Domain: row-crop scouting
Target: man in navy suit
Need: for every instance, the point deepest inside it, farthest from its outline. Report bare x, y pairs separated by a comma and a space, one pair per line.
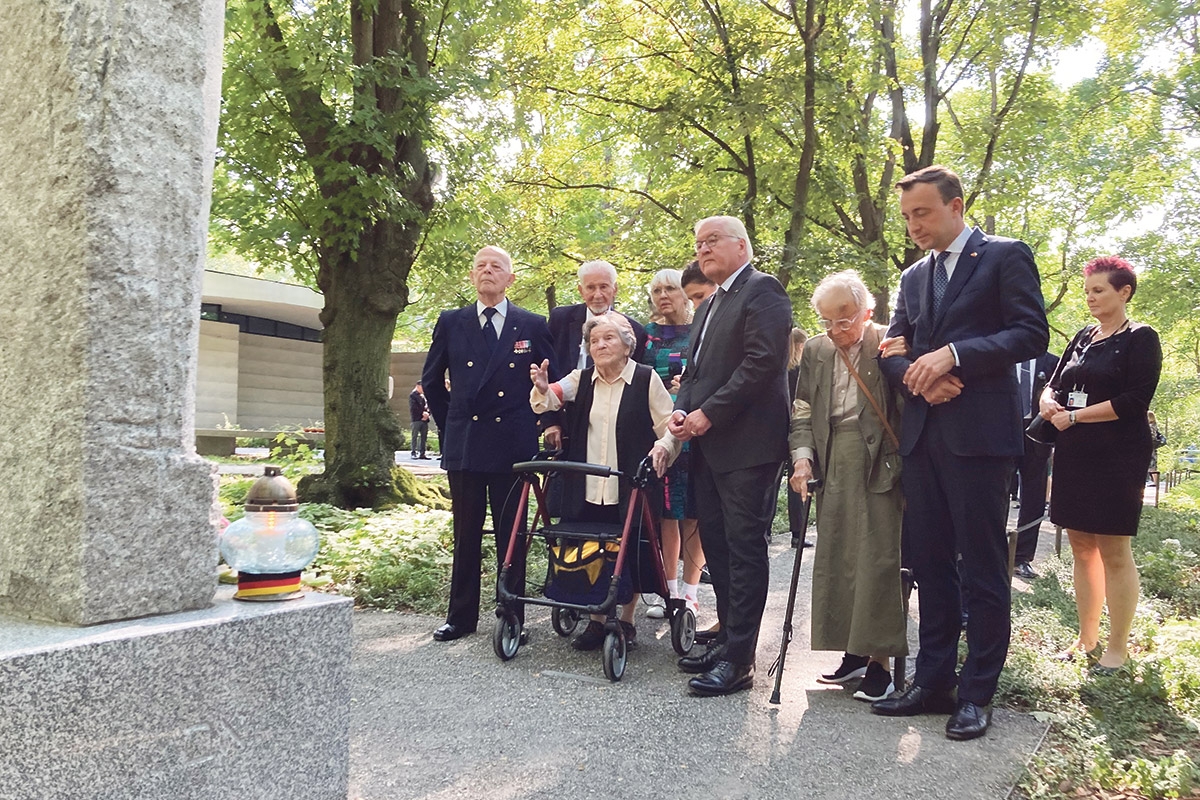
969, 312
598, 288
733, 405
1033, 465
485, 421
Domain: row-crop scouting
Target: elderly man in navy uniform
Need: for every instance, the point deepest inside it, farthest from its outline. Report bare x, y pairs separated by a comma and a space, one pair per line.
485, 421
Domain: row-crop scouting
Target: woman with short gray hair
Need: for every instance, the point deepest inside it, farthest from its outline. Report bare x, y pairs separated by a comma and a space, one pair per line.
843, 428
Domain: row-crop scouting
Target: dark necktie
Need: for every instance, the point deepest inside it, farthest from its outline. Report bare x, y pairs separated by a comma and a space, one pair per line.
712, 309
1026, 389
489, 330
940, 281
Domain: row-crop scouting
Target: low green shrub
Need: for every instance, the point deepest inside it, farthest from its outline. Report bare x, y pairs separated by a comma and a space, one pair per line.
1135, 734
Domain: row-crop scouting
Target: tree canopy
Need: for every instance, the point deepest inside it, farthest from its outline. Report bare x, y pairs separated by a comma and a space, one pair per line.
605, 128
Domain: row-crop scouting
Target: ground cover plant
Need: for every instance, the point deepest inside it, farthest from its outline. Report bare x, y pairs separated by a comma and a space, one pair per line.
1135, 734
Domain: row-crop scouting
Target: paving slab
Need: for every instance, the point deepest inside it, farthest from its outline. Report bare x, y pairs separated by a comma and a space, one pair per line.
437, 720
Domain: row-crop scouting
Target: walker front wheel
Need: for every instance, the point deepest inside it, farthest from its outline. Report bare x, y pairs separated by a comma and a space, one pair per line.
615, 655
506, 638
683, 631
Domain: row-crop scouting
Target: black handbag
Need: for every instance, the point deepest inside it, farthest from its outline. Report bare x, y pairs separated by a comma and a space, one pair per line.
1042, 430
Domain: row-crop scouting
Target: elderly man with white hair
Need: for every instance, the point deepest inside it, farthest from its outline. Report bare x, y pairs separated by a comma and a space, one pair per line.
598, 289
843, 428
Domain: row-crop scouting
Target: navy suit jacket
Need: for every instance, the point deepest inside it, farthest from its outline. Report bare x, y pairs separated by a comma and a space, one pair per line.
485, 420
740, 377
994, 314
566, 329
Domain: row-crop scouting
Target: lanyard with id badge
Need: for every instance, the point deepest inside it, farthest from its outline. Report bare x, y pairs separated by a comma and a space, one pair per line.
1077, 398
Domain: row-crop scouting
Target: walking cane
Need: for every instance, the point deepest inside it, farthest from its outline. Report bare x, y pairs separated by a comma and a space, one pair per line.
777, 667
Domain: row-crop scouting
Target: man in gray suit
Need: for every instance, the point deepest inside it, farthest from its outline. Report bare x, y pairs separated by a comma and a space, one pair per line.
733, 406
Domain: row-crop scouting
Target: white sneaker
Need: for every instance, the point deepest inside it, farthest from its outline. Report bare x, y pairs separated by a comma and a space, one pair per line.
657, 609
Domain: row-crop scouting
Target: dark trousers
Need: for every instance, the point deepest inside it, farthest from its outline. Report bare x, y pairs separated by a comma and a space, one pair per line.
420, 431
735, 510
471, 493
1032, 470
958, 504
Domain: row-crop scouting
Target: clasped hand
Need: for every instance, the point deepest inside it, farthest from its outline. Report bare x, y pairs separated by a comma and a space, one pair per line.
685, 426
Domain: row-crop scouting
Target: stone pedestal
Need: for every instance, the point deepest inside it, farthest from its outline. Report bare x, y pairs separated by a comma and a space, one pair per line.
108, 114
245, 700
108, 119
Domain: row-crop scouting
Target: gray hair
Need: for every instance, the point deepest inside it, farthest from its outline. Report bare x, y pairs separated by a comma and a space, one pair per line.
731, 226
848, 281
665, 277
618, 321
588, 267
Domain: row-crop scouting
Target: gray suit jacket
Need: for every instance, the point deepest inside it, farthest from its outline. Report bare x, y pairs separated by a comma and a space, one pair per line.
810, 426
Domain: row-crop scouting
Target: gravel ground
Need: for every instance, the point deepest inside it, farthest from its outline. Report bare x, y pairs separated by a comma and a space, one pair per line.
437, 720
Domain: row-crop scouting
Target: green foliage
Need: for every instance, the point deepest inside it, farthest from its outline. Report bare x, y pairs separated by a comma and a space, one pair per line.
397, 559
1135, 732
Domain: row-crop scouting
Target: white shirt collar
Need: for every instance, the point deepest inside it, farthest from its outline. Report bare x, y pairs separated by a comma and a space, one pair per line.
960, 242
727, 284
626, 373
501, 308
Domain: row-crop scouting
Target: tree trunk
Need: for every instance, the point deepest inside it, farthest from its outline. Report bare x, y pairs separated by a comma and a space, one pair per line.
363, 297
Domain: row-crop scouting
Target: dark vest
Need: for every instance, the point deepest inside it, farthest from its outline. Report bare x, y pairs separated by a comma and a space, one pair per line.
635, 437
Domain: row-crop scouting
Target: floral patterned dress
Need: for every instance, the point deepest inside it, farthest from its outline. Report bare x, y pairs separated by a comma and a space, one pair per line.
666, 351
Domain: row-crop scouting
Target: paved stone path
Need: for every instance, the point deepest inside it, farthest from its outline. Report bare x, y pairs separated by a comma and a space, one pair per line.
449, 720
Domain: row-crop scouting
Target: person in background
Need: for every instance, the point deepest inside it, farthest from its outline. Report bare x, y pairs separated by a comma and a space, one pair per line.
1159, 441
1097, 399
667, 345
615, 393
1032, 470
698, 287
795, 502
598, 290
838, 431
486, 349
418, 411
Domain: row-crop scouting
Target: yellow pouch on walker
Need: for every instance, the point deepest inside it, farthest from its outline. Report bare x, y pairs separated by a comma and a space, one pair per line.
580, 571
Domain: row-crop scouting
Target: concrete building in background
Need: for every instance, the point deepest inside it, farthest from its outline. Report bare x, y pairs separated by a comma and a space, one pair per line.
260, 356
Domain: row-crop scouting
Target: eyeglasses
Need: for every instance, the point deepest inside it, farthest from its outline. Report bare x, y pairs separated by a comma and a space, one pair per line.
838, 324
712, 239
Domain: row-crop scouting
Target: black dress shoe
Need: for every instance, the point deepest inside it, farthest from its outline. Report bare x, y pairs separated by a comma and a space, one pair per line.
969, 721
450, 632
725, 677
917, 700
1024, 571
696, 665
708, 636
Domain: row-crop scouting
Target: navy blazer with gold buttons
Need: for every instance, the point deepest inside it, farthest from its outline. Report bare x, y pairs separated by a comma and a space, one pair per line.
484, 420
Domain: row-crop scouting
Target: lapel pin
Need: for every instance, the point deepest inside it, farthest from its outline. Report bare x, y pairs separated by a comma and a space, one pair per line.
973, 255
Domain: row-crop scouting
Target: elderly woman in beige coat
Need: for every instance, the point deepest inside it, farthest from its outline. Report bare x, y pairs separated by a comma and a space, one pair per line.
838, 434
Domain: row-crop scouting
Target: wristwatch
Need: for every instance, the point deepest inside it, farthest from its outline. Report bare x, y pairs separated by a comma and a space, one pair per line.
1071, 417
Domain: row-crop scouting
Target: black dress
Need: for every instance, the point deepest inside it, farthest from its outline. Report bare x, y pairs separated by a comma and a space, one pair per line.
1100, 467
